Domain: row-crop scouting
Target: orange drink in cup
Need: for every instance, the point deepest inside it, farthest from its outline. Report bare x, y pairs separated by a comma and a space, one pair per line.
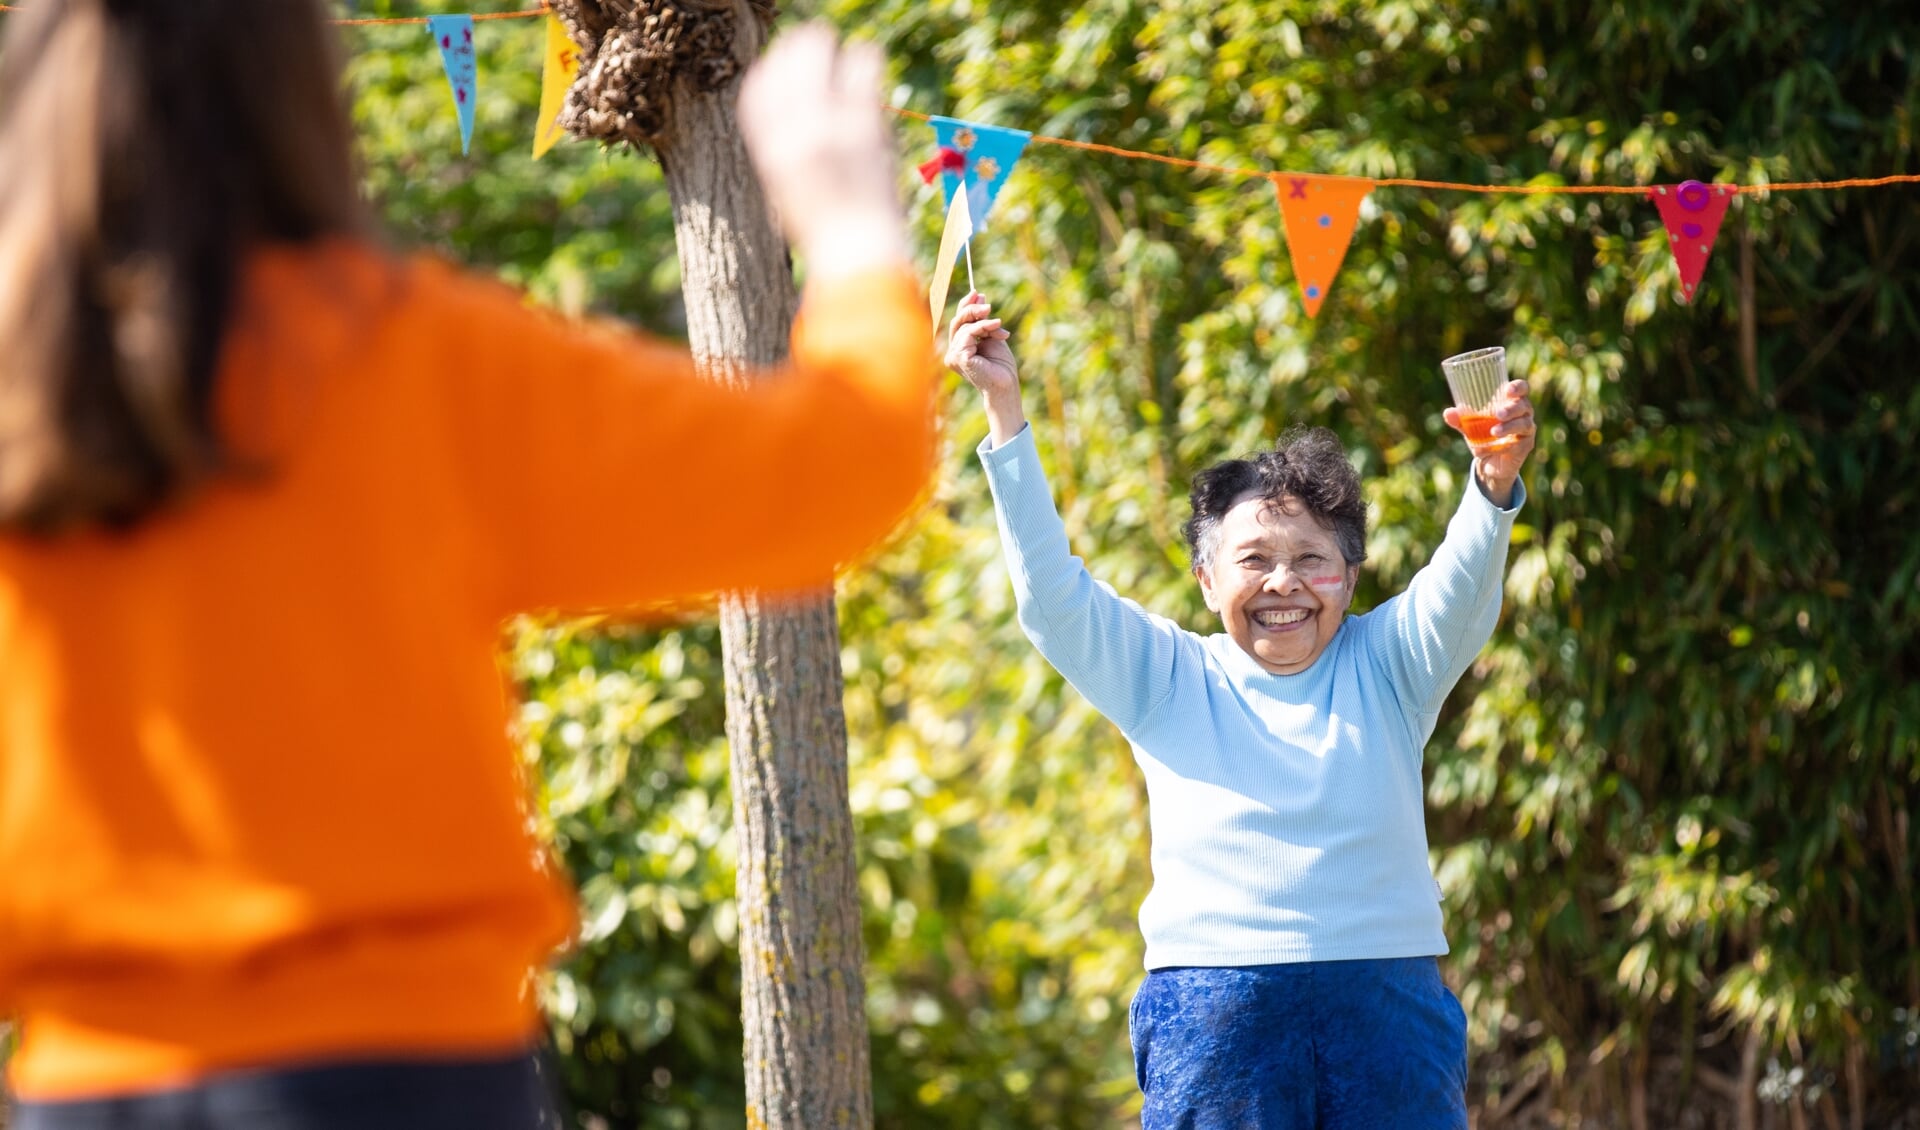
1475, 378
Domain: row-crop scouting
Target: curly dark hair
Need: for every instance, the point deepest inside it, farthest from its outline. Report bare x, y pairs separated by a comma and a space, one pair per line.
1307, 464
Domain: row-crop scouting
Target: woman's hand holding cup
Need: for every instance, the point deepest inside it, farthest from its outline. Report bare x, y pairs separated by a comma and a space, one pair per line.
1498, 456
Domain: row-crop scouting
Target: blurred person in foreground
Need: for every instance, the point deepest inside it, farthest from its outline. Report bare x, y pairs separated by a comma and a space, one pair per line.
268, 493
1293, 923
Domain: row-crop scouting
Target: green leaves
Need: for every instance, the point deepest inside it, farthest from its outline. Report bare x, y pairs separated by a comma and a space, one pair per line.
1679, 789
1694, 615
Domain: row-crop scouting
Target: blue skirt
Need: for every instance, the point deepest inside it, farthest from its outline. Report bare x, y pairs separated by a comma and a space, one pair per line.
1322, 1045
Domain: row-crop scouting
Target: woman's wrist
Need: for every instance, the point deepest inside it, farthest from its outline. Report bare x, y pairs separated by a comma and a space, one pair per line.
1499, 491
1005, 416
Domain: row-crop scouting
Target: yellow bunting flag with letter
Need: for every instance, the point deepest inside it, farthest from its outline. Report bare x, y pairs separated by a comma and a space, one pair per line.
1318, 214
959, 230
563, 63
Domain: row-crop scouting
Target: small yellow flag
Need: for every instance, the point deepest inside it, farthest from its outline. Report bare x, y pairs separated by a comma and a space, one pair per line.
563, 62
959, 229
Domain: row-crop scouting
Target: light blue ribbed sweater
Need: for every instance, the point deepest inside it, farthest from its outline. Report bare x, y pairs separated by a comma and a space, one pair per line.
1285, 810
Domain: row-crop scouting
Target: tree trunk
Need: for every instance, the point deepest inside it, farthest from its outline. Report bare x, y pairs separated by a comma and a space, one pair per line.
665, 74
1747, 1113
803, 993
803, 997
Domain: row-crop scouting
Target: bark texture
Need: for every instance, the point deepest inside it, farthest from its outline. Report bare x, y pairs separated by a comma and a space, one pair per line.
637, 56
803, 988
665, 75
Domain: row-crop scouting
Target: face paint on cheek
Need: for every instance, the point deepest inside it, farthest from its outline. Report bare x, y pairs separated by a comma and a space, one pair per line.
1333, 582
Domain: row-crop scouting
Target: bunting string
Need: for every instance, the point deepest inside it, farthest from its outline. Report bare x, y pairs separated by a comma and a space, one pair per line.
526, 14
389, 21
1229, 170
1443, 185
1318, 212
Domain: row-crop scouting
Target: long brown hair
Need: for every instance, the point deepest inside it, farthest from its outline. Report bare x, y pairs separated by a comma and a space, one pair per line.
146, 146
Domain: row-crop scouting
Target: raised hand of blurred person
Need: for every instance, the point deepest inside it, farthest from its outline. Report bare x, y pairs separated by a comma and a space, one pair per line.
811, 115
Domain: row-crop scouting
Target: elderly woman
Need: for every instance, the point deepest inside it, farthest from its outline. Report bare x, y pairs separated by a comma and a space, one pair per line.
1293, 923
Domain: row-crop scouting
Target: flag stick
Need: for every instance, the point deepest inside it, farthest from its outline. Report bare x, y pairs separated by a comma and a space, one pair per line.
971, 289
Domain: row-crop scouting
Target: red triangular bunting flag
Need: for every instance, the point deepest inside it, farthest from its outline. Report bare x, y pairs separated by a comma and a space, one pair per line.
1318, 214
1692, 212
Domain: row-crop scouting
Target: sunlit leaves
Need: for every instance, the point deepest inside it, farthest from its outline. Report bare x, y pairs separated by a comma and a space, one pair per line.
1677, 792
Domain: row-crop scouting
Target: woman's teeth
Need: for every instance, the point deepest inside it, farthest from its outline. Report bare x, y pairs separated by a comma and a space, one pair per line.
1280, 617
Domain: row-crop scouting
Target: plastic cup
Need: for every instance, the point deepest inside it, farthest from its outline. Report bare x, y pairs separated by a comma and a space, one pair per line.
1475, 377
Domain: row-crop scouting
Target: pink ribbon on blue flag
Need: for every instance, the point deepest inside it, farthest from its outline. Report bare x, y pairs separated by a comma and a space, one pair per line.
989, 153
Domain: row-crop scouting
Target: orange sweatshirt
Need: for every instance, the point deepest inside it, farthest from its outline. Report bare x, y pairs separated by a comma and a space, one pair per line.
257, 801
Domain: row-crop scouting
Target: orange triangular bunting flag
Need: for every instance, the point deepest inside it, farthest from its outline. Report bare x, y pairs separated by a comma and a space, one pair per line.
1319, 214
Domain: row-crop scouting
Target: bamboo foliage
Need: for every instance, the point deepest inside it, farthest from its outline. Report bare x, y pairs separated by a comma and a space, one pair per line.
1673, 805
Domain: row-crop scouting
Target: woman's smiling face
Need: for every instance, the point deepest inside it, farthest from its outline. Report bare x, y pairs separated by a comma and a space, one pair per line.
1278, 582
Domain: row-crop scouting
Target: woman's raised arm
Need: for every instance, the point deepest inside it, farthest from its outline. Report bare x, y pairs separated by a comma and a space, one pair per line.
1428, 634
1118, 655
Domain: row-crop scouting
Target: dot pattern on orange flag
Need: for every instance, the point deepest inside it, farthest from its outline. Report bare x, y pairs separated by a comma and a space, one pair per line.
1319, 214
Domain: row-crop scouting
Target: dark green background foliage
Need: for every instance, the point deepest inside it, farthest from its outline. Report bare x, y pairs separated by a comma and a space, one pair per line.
1671, 806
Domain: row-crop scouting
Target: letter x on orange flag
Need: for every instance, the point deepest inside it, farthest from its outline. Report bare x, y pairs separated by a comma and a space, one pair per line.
1318, 214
